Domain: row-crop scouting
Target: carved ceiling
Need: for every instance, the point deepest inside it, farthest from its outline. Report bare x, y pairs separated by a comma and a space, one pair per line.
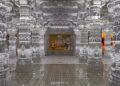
55, 12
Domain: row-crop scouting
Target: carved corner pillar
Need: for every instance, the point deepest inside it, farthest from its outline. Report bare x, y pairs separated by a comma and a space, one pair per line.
77, 41
42, 41
12, 41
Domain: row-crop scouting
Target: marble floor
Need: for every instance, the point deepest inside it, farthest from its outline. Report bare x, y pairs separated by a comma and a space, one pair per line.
60, 73
60, 60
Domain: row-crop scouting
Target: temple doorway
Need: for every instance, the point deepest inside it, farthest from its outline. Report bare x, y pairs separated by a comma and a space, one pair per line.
60, 42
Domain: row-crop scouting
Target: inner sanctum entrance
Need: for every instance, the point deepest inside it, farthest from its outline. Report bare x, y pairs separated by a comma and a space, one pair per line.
60, 42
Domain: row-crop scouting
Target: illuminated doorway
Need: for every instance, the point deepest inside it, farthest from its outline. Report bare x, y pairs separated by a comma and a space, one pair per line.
60, 43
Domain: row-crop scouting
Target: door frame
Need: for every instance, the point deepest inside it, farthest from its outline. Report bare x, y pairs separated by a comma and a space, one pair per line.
59, 31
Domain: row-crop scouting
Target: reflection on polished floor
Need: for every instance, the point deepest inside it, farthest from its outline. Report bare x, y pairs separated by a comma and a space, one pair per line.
58, 75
